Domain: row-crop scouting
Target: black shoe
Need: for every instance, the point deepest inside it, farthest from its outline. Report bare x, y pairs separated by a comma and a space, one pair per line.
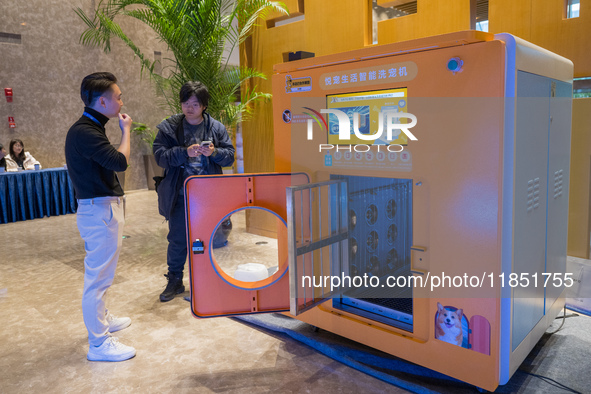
174, 287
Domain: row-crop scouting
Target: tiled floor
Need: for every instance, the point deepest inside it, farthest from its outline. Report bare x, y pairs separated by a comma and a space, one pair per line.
43, 340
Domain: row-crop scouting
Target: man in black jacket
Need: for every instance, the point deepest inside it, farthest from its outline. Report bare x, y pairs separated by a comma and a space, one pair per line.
191, 143
92, 162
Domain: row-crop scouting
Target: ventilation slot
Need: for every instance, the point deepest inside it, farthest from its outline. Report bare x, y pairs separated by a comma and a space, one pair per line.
558, 184
533, 194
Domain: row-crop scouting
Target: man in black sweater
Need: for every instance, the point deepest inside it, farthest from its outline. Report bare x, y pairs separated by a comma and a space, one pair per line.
92, 162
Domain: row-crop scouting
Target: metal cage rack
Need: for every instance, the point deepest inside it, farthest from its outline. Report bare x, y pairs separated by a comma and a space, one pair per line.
379, 246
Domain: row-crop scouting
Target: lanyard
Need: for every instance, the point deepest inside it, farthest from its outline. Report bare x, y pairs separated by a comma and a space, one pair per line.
89, 116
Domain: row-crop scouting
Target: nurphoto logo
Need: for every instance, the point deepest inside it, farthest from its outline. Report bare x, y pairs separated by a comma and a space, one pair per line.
393, 127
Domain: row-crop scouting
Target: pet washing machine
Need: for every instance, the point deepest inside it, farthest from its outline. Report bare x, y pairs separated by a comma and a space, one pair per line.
429, 178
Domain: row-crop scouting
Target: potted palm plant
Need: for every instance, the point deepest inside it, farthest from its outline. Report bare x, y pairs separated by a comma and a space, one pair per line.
201, 35
147, 135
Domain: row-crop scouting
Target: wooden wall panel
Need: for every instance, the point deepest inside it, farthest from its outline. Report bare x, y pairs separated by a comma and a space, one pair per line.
579, 213
566, 37
510, 16
336, 26
543, 23
266, 51
433, 17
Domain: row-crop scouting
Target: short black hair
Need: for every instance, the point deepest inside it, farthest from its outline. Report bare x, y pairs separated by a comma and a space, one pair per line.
197, 89
94, 85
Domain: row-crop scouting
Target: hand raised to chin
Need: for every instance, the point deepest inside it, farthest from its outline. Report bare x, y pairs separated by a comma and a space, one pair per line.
125, 122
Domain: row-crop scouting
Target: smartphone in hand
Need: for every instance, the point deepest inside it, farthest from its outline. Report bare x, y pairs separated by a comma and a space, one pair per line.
206, 143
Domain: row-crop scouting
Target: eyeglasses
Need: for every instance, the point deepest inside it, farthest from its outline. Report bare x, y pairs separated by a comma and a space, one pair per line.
193, 104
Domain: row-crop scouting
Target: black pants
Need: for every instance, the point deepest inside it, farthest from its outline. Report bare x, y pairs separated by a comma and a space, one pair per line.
177, 238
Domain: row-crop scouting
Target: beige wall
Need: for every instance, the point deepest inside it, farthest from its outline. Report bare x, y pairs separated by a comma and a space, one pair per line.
579, 215
45, 72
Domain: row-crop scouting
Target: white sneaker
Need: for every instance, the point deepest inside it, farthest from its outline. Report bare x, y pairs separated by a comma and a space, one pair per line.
110, 350
117, 323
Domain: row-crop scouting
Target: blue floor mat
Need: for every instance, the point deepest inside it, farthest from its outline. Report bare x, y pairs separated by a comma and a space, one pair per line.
382, 366
543, 371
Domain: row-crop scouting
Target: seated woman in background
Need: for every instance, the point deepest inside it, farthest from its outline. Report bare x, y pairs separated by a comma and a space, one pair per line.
18, 158
2, 158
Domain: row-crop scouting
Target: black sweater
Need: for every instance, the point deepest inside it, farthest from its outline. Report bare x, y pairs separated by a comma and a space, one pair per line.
91, 159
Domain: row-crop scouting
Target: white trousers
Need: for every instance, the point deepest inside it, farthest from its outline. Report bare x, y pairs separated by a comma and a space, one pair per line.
100, 222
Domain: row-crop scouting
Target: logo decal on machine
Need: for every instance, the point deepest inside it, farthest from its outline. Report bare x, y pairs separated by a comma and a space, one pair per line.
295, 85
